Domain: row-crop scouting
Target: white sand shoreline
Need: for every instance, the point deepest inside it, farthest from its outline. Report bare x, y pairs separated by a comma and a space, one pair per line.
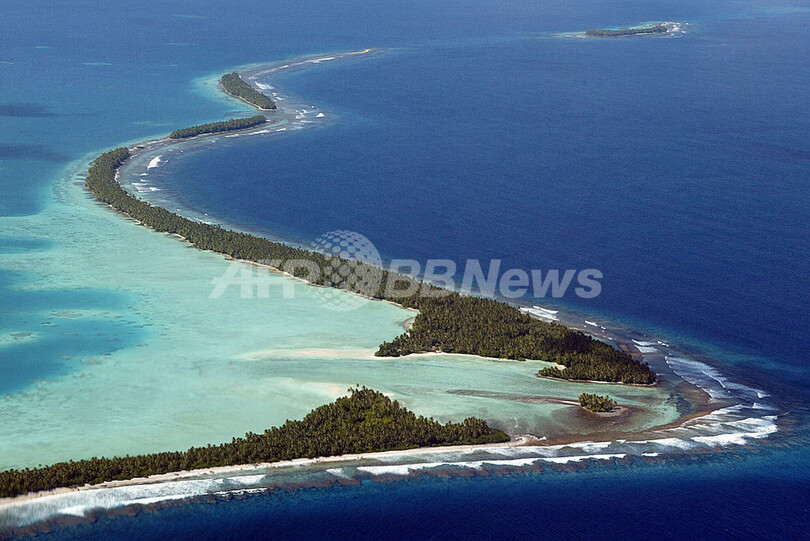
223, 471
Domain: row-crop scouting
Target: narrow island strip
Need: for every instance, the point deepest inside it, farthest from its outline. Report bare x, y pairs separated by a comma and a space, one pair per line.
447, 322
623, 32
233, 124
364, 421
233, 84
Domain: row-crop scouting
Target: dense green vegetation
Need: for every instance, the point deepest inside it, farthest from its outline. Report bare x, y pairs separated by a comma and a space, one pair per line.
235, 86
217, 127
446, 322
364, 421
601, 363
604, 33
470, 325
596, 403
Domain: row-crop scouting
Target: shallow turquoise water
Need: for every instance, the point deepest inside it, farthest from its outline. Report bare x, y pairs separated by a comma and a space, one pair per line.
177, 368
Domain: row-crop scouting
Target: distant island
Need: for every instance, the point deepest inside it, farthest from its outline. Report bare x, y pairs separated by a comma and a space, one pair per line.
218, 127
607, 33
364, 421
233, 84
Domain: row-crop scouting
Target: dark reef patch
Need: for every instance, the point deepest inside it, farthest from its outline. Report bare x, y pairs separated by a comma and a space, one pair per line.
26, 110
14, 151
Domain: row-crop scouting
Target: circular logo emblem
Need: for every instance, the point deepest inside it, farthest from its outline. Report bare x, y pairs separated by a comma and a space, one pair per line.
352, 264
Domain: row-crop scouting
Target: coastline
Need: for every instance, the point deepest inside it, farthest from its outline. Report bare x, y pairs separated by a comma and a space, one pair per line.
292, 114
283, 116
670, 165
402, 457
267, 110
674, 29
305, 462
526, 440
250, 74
638, 370
248, 468
525, 453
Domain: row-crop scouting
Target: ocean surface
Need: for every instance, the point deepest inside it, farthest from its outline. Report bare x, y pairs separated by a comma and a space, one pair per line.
677, 166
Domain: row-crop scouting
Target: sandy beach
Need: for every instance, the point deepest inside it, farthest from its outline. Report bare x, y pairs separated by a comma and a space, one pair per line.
251, 468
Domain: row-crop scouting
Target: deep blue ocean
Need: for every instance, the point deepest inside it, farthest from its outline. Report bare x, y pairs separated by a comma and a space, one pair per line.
679, 167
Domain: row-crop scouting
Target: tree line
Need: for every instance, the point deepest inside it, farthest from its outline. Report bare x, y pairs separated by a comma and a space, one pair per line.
606, 33
446, 322
217, 127
364, 421
487, 327
233, 84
